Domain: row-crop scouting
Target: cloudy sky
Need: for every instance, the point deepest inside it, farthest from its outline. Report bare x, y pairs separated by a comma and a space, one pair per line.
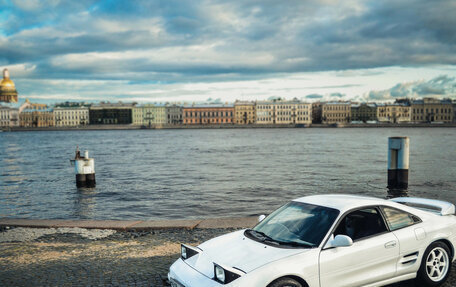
156, 51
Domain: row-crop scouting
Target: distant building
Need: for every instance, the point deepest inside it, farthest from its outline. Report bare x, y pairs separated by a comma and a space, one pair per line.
432, 110
149, 114
265, 112
173, 114
283, 112
336, 112
111, 114
454, 111
244, 112
316, 112
8, 91
9, 117
364, 112
208, 114
71, 116
393, 113
36, 115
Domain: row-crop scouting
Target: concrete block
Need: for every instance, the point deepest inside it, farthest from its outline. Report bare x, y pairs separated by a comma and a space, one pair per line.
240, 222
98, 224
36, 223
166, 224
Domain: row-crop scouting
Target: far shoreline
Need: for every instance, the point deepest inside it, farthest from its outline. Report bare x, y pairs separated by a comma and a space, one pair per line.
227, 126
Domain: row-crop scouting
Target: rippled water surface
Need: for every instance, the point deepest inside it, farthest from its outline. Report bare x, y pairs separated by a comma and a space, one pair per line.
161, 174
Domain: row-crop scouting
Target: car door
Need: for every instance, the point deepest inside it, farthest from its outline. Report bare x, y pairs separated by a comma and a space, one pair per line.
411, 235
372, 257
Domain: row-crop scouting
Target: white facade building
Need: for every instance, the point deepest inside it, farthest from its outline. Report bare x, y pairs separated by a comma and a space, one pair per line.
9, 117
71, 116
283, 112
149, 114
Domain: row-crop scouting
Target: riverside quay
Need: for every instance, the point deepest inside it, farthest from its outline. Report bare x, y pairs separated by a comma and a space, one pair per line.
15, 112
274, 112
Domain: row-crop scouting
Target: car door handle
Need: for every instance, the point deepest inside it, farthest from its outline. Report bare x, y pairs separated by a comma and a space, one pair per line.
390, 244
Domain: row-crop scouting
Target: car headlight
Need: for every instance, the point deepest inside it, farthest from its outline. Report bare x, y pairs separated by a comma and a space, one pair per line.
187, 251
219, 273
226, 275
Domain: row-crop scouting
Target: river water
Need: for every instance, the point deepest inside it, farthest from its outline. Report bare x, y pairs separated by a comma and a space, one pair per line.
169, 174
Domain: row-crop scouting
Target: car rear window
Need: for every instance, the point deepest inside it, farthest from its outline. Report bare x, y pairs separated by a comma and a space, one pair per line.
398, 219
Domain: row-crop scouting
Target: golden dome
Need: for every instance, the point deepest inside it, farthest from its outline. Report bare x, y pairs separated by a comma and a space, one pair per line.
8, 91
7, 83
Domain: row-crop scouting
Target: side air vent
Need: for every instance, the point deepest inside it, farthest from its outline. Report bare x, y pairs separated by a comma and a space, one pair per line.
409, 258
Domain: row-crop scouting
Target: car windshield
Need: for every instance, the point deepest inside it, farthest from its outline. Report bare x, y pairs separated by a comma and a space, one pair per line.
295, 224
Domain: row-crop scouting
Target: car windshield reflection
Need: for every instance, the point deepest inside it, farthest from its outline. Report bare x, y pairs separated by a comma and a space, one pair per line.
295, 224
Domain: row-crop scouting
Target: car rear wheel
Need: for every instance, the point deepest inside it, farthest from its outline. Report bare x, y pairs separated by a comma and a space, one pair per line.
435, 266
285, 282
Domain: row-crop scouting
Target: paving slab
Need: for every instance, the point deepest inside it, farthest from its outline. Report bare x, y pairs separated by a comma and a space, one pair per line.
165, 224
98, 224
239, 222
37, 223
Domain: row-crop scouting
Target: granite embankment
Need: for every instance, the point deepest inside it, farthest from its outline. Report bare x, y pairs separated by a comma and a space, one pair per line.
104, 253
231, 126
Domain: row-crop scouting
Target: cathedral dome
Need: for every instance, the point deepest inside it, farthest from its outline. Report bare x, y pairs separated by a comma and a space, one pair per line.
8, 91
7, 84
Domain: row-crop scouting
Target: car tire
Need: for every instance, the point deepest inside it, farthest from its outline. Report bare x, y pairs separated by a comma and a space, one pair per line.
285, 282
435, 266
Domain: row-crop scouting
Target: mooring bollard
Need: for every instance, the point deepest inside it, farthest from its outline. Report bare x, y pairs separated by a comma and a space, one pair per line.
85, 169
398, 166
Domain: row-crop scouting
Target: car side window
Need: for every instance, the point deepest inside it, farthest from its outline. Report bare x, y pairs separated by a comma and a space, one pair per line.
361, 224
397, 219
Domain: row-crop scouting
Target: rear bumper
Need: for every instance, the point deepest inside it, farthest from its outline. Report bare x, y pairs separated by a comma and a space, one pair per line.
181, 273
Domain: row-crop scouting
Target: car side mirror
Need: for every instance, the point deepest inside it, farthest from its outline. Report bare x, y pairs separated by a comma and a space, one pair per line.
261, 217
339, 241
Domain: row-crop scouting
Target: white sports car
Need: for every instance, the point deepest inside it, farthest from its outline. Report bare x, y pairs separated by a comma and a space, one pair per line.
329, 241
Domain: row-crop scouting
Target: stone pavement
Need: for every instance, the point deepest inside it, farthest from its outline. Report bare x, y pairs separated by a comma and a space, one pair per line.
129, 258
65, 256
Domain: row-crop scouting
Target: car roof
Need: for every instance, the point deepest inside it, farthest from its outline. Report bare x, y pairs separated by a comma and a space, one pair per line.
343, 202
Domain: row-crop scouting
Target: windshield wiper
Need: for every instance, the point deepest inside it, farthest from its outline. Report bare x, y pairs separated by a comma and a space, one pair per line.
295, 244
262, 236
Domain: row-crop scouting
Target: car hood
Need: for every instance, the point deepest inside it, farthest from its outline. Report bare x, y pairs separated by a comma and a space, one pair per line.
236, 250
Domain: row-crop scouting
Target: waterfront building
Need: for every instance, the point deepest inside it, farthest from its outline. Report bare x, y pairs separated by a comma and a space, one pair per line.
432, 110
208, 114
71, 116
316, 112
364, 112
111, 113
35, 115
265, 112
173, 114
393, 113
454, 111
283, 112
149, 115
336, 112
244, 112
137, 115
9, 117
8, 91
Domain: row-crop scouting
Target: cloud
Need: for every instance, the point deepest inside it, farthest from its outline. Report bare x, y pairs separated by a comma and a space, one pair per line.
301, 37
337, 95
314, 96
441, 86
173, 41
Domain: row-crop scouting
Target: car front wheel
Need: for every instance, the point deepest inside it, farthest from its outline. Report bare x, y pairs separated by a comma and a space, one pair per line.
285, 282
435, 266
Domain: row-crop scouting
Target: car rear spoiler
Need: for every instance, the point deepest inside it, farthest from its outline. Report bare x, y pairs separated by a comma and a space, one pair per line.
436, 206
